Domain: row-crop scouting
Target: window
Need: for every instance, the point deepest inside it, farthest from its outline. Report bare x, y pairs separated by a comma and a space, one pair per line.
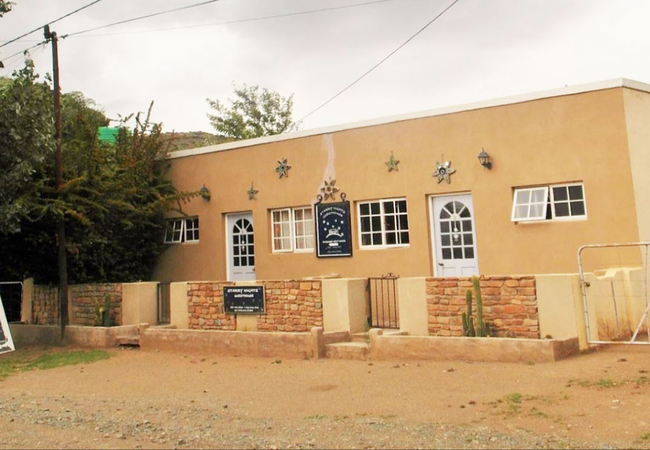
292, 229
555, 202
383, 223
182, 230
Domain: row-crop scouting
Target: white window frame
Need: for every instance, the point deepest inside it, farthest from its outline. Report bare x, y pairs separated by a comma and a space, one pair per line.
550, 202
530, 190
182, 228
292, 231
382, 215
568, 201
305, 235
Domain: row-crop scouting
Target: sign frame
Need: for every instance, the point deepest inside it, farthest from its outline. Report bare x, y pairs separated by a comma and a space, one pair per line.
342, 210
254, 300
6, 341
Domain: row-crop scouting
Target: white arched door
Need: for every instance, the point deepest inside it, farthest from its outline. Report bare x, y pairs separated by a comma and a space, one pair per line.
241, 247
454, 236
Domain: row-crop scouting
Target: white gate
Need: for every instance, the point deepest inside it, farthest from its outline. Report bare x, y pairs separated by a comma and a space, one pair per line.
614, 287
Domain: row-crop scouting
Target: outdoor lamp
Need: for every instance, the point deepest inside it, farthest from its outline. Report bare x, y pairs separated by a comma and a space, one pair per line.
205, 193
484, 158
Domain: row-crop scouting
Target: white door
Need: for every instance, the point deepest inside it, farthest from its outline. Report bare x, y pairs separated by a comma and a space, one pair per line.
241, 247
454, 236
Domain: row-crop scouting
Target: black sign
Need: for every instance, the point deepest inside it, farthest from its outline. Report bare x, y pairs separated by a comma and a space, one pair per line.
333, 231
243, 299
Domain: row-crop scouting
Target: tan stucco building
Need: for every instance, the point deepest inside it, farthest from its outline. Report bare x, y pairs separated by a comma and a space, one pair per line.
569, 168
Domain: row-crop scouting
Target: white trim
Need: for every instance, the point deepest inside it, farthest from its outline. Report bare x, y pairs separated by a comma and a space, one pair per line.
491, 103
246, 215
292, 230
383, 224
569, 217
529, 204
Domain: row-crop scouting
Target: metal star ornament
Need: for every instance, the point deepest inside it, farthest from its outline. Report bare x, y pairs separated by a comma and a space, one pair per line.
283, 168
252, 193
392, 163
329, 189
443, 171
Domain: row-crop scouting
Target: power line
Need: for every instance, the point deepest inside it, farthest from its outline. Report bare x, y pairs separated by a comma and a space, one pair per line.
138, 18
382, 61
25, 50
253, 19
49, 23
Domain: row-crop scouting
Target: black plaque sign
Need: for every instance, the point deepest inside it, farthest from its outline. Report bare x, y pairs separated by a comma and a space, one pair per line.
333, 231
243, 299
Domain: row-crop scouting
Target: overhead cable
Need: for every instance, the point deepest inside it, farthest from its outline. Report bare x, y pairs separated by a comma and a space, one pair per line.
382, 61
49, 23
138, 18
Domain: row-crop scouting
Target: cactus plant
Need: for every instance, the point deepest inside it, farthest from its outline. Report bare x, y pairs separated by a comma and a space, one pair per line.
481, 329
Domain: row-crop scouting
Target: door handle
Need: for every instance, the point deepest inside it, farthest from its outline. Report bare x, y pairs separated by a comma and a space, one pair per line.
441, 264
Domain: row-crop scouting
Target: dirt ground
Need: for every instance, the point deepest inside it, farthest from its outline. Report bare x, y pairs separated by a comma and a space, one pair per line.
139, 399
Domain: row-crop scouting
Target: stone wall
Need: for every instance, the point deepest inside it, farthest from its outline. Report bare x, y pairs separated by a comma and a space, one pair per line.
84, 298
294, 306
45, 305
509, 305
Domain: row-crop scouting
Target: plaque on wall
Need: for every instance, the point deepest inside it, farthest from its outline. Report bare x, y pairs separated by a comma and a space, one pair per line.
333, 231
243, 299
6, 343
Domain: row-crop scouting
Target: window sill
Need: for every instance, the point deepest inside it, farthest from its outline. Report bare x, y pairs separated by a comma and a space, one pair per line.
557, 219
383, 247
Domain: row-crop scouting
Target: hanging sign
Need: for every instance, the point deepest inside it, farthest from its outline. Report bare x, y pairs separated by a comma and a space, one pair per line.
6, 343
333, 231
243, 299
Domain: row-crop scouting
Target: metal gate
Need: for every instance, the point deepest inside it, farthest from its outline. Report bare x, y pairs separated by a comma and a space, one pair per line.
614, 287
163, 303
383, 307
12, 299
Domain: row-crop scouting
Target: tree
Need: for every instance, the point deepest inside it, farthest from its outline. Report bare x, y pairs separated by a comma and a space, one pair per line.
254, 112
26, 140
113, 199
5, 7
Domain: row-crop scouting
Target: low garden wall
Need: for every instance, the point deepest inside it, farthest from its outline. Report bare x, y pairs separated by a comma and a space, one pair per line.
290, 306
509, 305
82, 302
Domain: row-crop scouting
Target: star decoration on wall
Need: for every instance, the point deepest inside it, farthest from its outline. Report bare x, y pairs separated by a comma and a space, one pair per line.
443, 172
329, 189
392, 163
252, 193
283, 168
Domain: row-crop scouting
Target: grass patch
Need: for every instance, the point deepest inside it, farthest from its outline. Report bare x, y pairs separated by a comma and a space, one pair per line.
515, 398
315, 417
605, 383
26, 360
645, 437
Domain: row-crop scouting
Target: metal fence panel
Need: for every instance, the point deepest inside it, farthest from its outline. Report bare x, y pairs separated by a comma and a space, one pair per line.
383, 303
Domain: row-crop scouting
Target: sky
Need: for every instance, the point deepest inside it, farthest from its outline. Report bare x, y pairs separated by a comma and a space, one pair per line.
477, 50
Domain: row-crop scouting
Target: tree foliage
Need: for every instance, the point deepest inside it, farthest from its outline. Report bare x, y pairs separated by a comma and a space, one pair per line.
113, 199
26, 140
254, 112
5, 7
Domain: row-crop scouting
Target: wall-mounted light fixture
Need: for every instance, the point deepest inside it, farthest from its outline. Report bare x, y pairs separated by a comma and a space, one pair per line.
484, 158
205, 193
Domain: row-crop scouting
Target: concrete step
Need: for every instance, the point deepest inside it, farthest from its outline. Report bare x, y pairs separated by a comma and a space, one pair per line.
129, 340
348, 350
359, 337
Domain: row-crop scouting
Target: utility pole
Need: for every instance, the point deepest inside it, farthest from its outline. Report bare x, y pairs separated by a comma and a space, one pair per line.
58, 167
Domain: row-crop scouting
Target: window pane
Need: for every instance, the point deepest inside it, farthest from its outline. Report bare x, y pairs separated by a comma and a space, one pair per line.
445, 240
560, 193
285, 215
521, 212
401, 206
389, 207
297, 214
444, 214
446, 253
276, 216
469, 252
390, 223
522, 197
251, 238
300, 229
575, 193
577, 209
365, 239
468, 239
561, 209
465, 213
376, 223
404, 236
444, 227
374, 208
467, 225
364, 208
286, 231
458, 252
236, 261
251, 260
391, 238
365, 224
376, 239
536, 210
